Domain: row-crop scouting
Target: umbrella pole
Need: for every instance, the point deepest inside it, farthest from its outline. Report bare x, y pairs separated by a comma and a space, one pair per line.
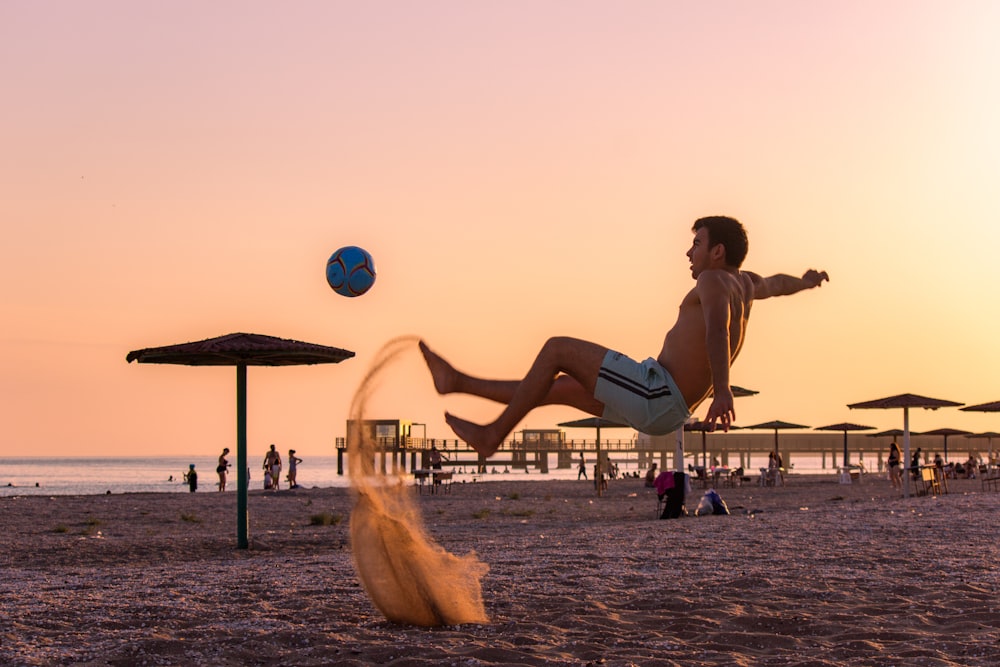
906, 452
242, 539
599, 474
845, 450
678, 451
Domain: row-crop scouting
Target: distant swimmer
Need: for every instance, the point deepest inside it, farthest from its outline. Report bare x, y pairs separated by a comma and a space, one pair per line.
657, 395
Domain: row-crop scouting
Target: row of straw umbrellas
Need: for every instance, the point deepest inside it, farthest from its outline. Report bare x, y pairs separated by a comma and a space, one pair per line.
904, 401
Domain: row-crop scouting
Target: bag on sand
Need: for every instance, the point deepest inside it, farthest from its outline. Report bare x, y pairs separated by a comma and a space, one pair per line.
711, 503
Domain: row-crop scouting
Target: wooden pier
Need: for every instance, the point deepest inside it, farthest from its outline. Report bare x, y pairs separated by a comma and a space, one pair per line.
400, 454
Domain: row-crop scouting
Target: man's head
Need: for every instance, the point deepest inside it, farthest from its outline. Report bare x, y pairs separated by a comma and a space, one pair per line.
727, 232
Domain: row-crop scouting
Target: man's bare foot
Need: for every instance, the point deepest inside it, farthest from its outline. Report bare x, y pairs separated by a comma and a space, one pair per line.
476, 436
444, 374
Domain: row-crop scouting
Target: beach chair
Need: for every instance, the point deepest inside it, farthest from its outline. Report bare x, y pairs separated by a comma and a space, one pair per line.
736, 478
930, 481
991, 479
771, 477
700, 475
422, 478
442, 481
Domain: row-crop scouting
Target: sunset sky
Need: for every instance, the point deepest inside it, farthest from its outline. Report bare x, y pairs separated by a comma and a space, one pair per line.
176, 171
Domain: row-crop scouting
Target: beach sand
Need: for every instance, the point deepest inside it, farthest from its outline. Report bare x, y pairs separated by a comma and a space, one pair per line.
812, 573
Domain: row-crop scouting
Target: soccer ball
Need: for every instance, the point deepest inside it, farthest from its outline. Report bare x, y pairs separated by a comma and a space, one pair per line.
350, 271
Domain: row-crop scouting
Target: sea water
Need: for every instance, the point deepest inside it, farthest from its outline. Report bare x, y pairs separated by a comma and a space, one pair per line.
100, 475
61, 476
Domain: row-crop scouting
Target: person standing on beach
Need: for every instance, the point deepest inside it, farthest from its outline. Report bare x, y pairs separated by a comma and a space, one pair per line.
293, 462
581, 471
191, 477
657, 395
434, 457
895, 459
222, 468
915, 463
272, 465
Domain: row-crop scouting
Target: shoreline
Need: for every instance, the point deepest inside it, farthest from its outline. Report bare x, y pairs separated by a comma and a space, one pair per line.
814, 572
207, 484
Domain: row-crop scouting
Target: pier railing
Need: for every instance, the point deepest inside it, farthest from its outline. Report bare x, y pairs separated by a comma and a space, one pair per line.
391, 444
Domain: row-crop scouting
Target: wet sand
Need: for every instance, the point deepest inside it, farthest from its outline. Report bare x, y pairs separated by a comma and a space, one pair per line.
812, 573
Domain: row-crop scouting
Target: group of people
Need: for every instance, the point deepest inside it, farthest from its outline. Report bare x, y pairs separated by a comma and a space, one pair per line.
610, 471
272, 470
968, 470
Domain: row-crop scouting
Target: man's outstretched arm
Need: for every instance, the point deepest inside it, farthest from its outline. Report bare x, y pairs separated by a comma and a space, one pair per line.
715, 296
782, 285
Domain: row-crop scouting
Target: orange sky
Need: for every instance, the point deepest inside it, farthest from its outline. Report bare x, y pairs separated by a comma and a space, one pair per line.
176, 171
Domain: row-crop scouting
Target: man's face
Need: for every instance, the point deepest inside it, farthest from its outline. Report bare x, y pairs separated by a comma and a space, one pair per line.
700, 253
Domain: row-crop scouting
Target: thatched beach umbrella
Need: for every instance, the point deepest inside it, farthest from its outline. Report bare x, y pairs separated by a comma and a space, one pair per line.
894, 432
984, 407
241, 350
740, 392
905, 401
947, 432
776, 425
845, 427
595, 423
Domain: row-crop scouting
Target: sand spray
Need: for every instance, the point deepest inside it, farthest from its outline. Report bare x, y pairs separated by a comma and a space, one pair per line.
408, 577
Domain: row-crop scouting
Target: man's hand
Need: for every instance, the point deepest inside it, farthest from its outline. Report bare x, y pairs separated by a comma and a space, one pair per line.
813, 278
722, 410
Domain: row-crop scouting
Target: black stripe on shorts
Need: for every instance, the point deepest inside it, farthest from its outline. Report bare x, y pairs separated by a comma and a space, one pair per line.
631, 386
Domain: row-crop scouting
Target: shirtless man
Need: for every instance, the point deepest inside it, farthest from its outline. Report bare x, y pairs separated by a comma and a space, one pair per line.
657, 395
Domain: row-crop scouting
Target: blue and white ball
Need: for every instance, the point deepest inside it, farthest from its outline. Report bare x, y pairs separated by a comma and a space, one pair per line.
350, 271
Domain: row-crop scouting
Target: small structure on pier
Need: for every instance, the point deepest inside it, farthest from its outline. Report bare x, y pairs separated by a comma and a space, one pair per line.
389, 436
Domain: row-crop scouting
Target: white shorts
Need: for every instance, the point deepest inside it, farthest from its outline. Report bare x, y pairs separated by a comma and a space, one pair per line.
642, 395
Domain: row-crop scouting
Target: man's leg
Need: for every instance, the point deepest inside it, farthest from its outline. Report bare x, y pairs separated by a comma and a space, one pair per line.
579, 360
565, 390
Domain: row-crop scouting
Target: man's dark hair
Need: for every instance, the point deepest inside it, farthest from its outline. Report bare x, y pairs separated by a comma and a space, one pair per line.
730, 233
